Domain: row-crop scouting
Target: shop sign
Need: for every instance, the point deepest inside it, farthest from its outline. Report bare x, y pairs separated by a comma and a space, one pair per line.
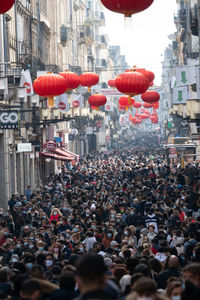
9, 119
50, 146
24, 147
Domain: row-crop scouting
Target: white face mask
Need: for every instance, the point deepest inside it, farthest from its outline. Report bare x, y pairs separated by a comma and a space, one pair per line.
145, 298
49, 263
176, 297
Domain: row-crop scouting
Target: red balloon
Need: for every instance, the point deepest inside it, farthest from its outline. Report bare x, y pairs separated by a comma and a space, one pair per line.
5, 5
137, 104
97, 100
72, 80
128, 7
49, 85
132, 83
111, 83
150, 96
89, 79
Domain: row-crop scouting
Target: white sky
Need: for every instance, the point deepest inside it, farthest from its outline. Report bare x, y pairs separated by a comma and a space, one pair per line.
145, 42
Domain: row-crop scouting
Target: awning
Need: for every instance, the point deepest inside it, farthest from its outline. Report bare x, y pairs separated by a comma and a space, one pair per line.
63, 152
55, 156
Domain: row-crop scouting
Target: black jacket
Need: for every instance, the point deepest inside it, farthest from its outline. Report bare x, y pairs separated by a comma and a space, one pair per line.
164, 276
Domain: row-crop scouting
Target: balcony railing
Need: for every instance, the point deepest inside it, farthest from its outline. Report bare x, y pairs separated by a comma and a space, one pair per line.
25, 3
10, 70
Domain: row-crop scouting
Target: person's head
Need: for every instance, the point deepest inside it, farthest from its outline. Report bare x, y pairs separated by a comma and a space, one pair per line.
67, 281
155, 265
151, 228
30, 290
26, 230
90, 273
145, 287
142, 268
37, 272
192, 273
173, 262
174, 289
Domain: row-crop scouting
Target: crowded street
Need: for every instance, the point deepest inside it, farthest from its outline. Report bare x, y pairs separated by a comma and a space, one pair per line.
121, 222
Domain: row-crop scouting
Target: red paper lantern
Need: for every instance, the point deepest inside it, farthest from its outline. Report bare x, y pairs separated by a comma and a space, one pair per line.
149, 74
137, 104
72, 79
89, 79
143, 116
151, 83
133, 119
128, 7
137, 115
147, 113
150, 96
97, 100
132, 83
156, 105
111, 83
154, 118
138, 121
147, 105
50, 85
5, 5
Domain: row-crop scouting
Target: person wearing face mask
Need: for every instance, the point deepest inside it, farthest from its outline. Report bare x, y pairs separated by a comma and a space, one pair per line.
108, 238
8, 250
174, 289
55, 214
131, 218
40, 247
49, 261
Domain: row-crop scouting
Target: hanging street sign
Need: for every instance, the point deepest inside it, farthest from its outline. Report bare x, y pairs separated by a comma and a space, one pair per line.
50, 146
172, 151
9, 119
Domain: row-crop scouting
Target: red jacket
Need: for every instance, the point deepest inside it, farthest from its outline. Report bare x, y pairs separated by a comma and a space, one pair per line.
56, 217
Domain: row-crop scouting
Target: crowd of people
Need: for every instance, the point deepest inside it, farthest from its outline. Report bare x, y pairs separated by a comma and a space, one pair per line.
122, 225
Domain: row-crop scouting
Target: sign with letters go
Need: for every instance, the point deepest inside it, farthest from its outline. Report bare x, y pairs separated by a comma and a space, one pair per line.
9, 119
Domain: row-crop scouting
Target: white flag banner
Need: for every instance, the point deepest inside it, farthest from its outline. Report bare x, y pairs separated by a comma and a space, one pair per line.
26, 82
109, 106
180, 95
76, 101
62, 103
185, 75
173, 82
